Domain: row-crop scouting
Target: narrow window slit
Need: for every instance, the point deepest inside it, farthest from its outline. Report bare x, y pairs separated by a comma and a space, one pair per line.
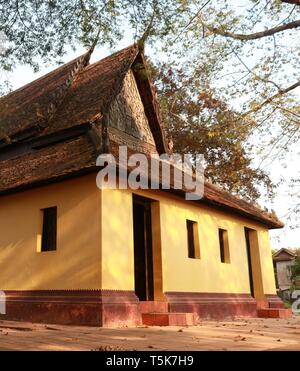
193, 239
49, 230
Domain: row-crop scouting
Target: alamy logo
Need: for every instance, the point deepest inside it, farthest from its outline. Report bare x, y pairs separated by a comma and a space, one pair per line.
3, 42
2, 302
138, 171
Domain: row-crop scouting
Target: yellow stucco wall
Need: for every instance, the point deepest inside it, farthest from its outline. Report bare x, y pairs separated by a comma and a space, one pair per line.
266, 262
95, 228
117, 240
76, 263
180, 273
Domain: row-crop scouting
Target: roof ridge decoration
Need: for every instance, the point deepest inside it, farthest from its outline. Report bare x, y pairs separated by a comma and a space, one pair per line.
120, 78
60, 94
42, 114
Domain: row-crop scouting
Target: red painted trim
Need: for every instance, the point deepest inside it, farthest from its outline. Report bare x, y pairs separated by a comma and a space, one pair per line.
76, 307
212, 305
110, 308
274, 313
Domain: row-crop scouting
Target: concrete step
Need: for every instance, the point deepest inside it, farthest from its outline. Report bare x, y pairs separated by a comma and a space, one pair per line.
154, 307
169, 319
274, 313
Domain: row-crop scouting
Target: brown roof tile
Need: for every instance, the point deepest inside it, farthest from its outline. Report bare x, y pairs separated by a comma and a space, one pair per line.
77, 90
27, 107
47, 164
93, 90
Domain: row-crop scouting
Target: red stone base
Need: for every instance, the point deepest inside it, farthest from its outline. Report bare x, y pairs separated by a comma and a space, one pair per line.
274, 313
212, 305
109, 308
106, 308
273, 307
154, 307
169, 319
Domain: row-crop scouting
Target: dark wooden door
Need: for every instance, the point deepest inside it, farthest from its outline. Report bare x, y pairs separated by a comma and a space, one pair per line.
250, 265
143, 255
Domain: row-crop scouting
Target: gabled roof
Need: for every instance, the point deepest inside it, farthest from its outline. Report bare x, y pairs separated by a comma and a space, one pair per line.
48, 128
74, 94
93, 90
25, 111
284, 255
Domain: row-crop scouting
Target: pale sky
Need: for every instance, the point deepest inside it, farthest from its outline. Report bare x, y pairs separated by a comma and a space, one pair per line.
281, 238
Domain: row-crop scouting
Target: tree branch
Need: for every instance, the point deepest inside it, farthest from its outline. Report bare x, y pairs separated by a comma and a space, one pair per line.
253, 36
195, 16
254, 74
270, 99
146, 34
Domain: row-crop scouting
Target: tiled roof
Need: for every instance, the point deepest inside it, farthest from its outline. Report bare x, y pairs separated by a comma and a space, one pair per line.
284, 255
45, 127
76, 90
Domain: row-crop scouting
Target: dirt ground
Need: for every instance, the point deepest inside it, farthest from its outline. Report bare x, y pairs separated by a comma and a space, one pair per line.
241, 334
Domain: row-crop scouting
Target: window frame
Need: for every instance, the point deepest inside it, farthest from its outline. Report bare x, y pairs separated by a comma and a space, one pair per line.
47, 241
224, 246
193, 246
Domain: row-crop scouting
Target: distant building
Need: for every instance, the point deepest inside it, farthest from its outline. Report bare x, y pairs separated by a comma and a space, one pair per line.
283, 259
